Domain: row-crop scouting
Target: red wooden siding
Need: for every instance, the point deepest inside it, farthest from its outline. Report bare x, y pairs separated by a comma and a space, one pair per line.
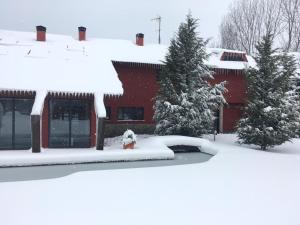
236, 85
140, 87
231, 115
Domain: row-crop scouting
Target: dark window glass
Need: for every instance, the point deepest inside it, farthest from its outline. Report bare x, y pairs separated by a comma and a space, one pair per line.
59, 123
80, 124
69, 123
23, 109
131, 113
233, 57
15, 132
6, 123
108, 113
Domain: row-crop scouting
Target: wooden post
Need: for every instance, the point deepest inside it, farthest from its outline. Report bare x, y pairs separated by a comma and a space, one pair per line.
221, 118
100, 133
36, 133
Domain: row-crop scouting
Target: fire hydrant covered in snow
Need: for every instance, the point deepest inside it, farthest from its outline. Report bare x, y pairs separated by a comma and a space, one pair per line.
129, 139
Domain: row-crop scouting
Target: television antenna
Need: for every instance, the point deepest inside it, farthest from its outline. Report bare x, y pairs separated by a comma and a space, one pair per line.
158, 20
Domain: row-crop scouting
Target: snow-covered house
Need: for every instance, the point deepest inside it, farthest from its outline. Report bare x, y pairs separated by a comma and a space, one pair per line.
134, 109
58, 92
69, 76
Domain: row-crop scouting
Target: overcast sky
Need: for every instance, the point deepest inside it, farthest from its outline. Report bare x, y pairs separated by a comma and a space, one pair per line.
111, 18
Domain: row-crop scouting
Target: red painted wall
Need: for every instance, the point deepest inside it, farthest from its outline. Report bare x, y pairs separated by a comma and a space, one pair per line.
231, 117
236, 85
235, 96
140, 87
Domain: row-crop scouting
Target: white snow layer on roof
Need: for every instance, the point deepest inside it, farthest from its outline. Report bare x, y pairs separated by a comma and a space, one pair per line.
64, 64
61, 64
215, 61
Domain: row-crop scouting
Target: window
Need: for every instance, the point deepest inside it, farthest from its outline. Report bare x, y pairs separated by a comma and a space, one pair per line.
232, 56
131, 113
15, 130
108, 113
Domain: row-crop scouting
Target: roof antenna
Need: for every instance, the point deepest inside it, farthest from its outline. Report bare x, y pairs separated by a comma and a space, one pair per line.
158, 19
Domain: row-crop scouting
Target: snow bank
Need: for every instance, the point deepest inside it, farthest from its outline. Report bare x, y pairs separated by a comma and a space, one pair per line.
146, 148
71, 156
292, 147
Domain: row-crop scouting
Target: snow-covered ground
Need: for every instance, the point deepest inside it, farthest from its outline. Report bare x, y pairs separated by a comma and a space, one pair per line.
238, 186
292, 147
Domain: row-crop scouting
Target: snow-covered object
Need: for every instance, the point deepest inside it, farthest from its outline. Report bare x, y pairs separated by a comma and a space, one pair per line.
75, 60
296, 56
272, 113
99, 105
186, 101
214, 60
128, 137
38, 103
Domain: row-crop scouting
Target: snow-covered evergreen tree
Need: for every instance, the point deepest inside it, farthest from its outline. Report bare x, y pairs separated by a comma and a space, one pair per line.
186, 101
271, 115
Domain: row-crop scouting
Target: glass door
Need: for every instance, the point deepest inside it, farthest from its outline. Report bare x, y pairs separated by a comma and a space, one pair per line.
15, 132
80, 124
69, 125
59, 123
6, 123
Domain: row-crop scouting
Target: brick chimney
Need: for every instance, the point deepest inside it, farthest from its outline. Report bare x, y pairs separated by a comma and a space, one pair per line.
81, 33
41, 33
139, 39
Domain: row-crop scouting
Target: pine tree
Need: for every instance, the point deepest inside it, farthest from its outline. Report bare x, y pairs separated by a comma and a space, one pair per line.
271, 115
186, 101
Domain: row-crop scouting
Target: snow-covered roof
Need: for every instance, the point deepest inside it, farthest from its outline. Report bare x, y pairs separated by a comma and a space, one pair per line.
61, 64
64, 64
215, 60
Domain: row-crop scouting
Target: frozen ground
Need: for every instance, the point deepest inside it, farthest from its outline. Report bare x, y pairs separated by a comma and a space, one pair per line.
238, 186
